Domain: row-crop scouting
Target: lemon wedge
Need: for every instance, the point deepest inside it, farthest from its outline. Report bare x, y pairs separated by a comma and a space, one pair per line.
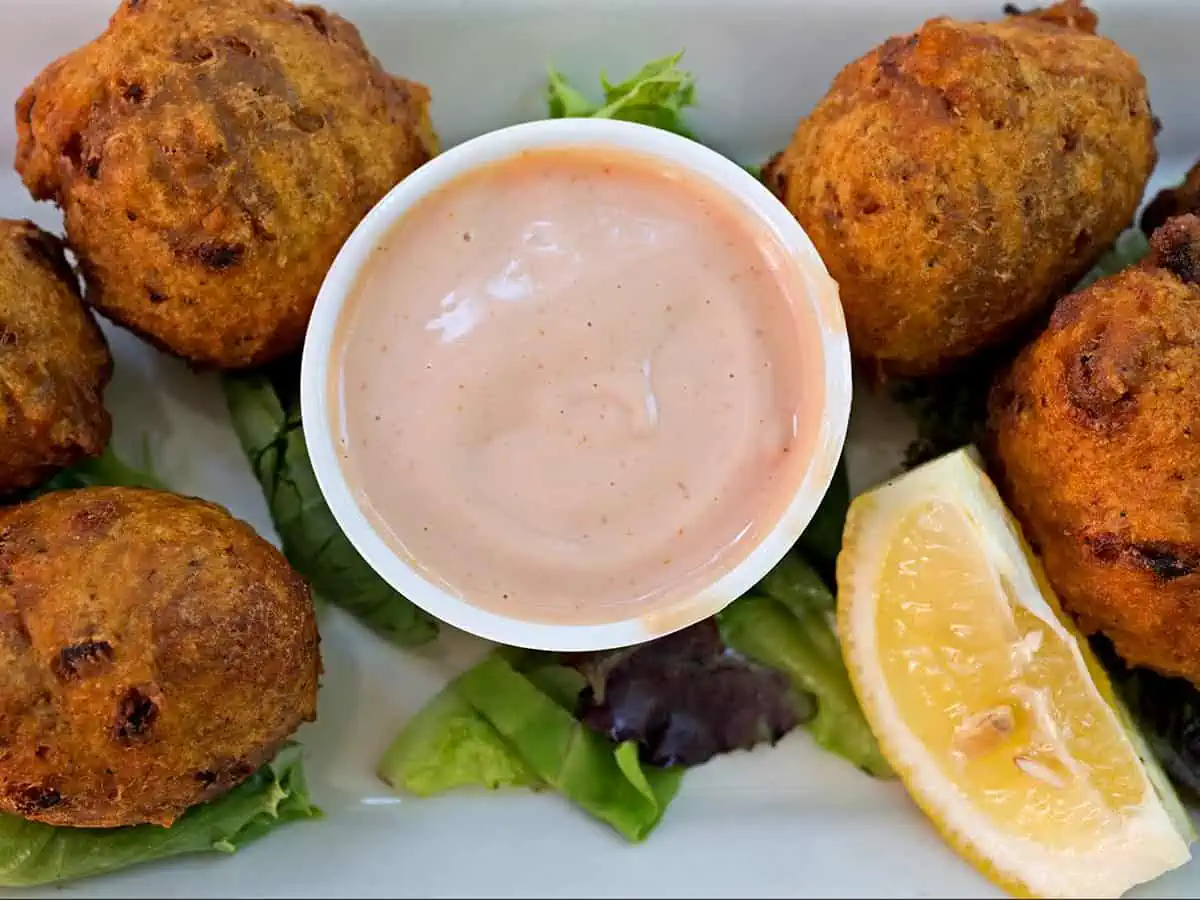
985, 699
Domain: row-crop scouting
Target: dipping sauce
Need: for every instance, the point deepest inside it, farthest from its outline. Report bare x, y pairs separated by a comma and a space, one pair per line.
577, 385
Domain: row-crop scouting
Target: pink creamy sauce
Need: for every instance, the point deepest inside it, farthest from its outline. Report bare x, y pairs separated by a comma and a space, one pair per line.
577, 385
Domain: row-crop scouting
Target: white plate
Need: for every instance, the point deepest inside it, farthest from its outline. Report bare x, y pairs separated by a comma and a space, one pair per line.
786, 821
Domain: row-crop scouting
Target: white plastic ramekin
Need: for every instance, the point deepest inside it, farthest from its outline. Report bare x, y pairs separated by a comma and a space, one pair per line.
678, 152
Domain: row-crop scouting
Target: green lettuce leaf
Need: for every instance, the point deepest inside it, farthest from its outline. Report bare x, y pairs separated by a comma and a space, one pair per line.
656, 95
1167, 713
787, 624
265, 412
449, 745
1126, 251
498, 725
822, 539
35, 854
105, 469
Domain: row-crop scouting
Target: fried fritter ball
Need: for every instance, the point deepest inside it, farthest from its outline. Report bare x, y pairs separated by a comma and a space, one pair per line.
210, 158
957, 180
1176, 201
54, 362
155, 652
1095, 433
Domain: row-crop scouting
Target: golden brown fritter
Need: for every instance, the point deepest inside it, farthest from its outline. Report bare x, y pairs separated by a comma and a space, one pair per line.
1095, 442
54, 362
1184, 198
155, 652
958, 179
210, 158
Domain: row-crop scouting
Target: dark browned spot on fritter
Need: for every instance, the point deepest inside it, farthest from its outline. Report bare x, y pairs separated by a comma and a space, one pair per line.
93, 167
1167, 561
134, 93
257, 226
95, 520
206, 777
42, 751
8, 337
896, 80
12, 627
308, 122
773, 177
154, 296
1184, 263
1176, 247
316, 18
1105, 547
1008, 399
72, 150
35, 798
1106, 371
193, 54
27, 592
82, 660
891, 53
238, 46
47, 251
136, 714
1070, 140
1083, 242
218, 256
1100, 402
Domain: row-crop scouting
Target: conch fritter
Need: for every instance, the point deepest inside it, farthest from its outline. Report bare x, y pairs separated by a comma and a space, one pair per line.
54, 362
210, 158
155, 652
1095, 432
958, 179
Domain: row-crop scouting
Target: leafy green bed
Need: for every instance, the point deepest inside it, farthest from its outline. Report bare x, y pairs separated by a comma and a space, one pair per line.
35, 854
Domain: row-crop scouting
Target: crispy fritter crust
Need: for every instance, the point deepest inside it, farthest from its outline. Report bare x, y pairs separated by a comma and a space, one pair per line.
958, 179
1094, 436
210, 158
54, 362
155, 652
1176, 201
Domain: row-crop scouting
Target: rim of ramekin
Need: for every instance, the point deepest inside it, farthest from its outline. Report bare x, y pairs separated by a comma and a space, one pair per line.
681, 152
